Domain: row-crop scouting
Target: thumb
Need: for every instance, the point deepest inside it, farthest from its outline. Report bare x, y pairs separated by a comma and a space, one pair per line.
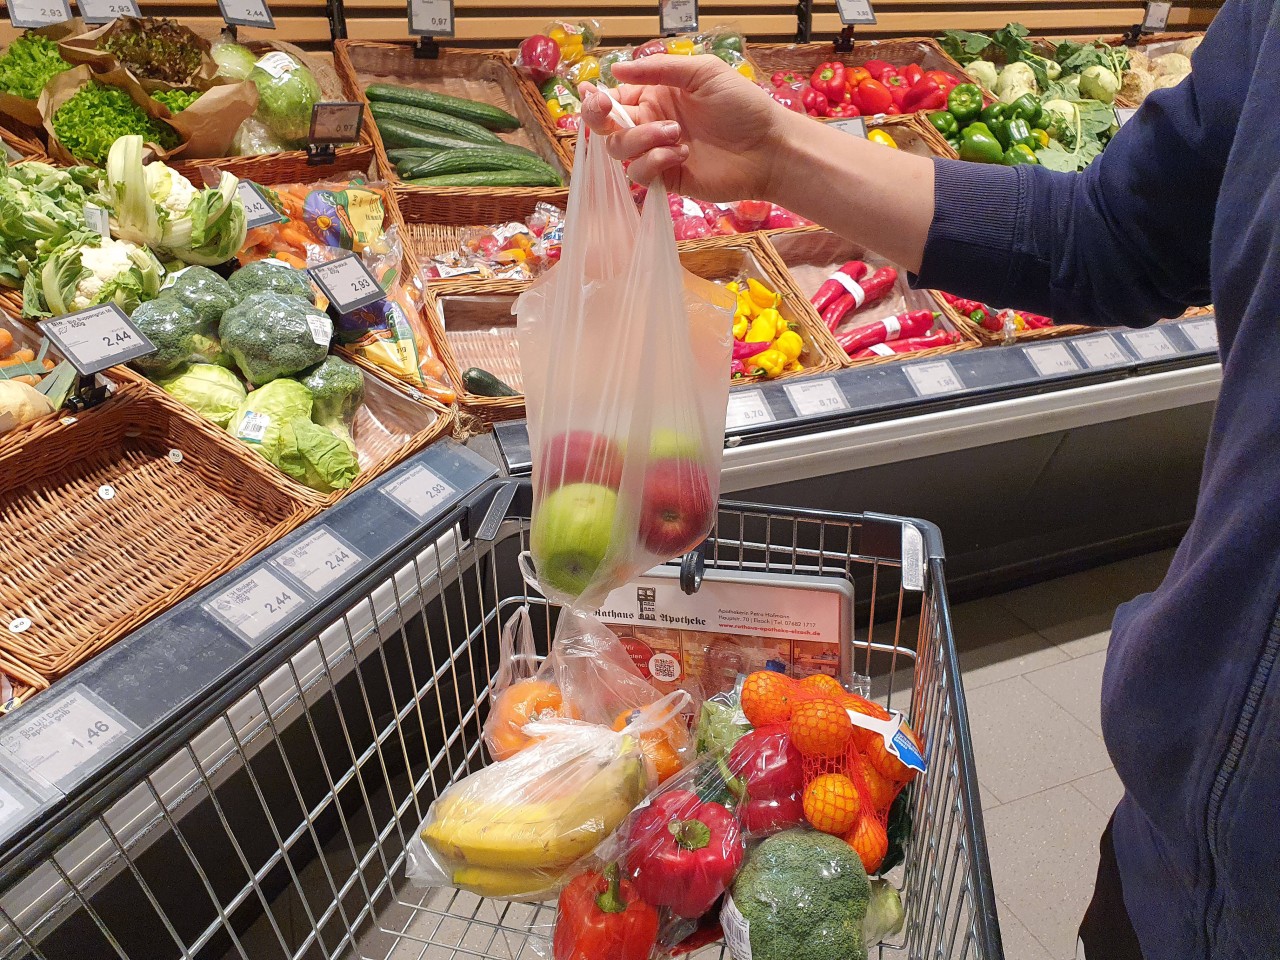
683, 73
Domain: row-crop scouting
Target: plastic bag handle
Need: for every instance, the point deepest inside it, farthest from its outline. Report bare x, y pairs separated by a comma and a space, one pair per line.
620, 116
659, 713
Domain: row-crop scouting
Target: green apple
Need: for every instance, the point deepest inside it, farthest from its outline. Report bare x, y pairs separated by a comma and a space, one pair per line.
570, 537
671, 444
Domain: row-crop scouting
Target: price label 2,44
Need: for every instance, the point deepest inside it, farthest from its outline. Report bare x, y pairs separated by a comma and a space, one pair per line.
104, 11
431, 18
61, 738
336, 122
812, 398
247, 13
28, 14
419, 491
855, 13
319, 561
347, 283
256, 604
96, 338
678, 16
747, 408
257, 211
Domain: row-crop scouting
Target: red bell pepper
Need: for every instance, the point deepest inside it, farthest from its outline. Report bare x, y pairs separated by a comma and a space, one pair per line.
684, 852
925, 95
912, 74
828, 79
600, 915
832, 287
875, 287
902, 327
943, 79
940, 339
771, 769
872, 97
815, 104
784, 78
878, 67
898, 89
843, 110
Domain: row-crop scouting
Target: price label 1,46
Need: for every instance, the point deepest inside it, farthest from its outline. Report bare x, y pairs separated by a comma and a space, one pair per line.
419, 491
812, 398
1203, 334
104, 11
855, 13
1151, 344
247, 13
256, 604
1156, 17
1052, 359
934, 378
257, 211
678, 16
347, 283
28, 14
1100, 351
96, 338
319, 561
61, 738
431, 18
335, 122
747, 408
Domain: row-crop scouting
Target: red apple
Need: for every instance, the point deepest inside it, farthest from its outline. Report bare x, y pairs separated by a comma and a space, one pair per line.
676, 510
580, 456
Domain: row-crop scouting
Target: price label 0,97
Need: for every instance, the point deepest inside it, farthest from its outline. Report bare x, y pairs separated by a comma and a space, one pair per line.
335, 122
419, 491
247, 13
104, 11
1052, 359
61, 738
431, 18
347, 283
319, 561
29, 14
812, 398
855, 13
1151, 344
254, 605
257, 211
1156, 17
934, 378
747, 408
1100, 351
678, 16
96, 338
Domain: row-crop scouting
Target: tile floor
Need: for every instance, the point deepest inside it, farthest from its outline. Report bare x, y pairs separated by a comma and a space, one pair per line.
1032, 662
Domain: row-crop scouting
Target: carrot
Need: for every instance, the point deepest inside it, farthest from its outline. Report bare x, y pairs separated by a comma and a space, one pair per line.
6, 341
49, 364
291, 235
291, 259
17, 357
438, 391
30, 380
431, 367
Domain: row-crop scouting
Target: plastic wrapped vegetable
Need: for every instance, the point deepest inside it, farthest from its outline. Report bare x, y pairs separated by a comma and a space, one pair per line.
233, 60
204, 293
337, 389
254, 137
262, 415
272, 335
86, 270
21, 403
316, 456
212, 391
287, 91
180, 336
262, 276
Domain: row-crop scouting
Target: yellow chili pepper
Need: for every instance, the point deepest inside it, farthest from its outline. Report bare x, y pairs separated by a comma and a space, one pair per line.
770, 363
1041, 138
783, 325
762, 296
555, 109
882, 138
790, 345
740, 325
585, 70
732, 286
681, 47
746, 304
763, 328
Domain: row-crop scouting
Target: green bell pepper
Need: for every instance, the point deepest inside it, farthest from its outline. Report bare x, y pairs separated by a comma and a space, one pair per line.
994, 113
1018, 155
1026, 107
1000, 130
965, 103
729, 41
945, 123
1019, 131
979, 145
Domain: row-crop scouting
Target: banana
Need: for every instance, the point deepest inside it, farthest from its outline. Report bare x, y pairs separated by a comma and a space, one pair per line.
494, 882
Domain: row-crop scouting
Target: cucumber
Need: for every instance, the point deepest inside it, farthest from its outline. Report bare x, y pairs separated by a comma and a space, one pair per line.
482, 113
473, 161
437, 122
398, 133
490, 178
482, 383
448, 143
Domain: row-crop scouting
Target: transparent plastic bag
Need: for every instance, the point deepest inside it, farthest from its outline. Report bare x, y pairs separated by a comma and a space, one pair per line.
625, 359
516, 829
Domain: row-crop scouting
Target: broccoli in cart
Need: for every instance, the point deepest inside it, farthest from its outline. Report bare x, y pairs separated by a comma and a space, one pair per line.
337, 388
262, 276
273, 335
801, 895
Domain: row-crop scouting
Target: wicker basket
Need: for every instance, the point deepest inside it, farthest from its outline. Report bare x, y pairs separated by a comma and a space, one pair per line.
982, 335
87, 570
26, 337
804, 58
486, 76
914, 134
1155, 44
809, 257
480, 331
23, 681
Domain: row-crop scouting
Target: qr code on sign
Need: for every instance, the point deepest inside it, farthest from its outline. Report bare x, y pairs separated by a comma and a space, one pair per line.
663, 666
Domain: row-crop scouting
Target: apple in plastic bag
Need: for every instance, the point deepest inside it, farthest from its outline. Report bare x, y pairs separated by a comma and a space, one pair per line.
676, 510
580, 456
570, 536
666, 443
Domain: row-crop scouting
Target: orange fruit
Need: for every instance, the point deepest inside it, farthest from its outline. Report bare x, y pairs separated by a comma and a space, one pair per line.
831, 803
870, 841
661, 747
819, 684
861, 735
520, 703
880, 789
820, 728
886, 762
767, 697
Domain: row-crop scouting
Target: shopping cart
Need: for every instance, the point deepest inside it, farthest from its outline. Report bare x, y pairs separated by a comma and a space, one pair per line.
272, 820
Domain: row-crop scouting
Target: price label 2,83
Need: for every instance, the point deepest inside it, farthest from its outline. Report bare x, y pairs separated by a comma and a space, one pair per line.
335, 122
431, 18
247, 13
855, 12
319, 561
257, 211
61, 738
256, 604
419, 491
347, 283
747, 408
29, 14
678, 16
104, 11
96, 338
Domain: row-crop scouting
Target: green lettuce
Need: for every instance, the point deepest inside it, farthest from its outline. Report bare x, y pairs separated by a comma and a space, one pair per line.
212, 391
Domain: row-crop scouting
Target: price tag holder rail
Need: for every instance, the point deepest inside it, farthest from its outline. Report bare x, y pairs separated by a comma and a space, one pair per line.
333, 124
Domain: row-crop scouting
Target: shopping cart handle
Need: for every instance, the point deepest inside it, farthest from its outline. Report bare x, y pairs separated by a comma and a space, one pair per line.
692, 566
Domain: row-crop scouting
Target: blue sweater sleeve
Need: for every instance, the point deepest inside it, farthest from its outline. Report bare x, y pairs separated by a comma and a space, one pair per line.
1124, 242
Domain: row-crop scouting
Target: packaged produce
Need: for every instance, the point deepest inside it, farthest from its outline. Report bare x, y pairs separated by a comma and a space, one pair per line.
161, 53
20, 403
770, 771
202, 291
350, 214
764, 343
507, 251
337, 389
179, 334
287, 90
271, 335
234, 61
697, 219
849, 290
603, 917
1006, 322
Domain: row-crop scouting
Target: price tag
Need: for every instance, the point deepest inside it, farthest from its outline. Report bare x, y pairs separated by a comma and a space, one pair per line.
1124, 115
257, 211
347, 283
60, 738
319, 561
256, 604
247, 13
1052, 359
678, 16
933, 378
104, 11
1156, 17
854, 126
96, 338
855, 13
336, 122
747, 408
431, 18
1100, 351
97, 220
13, 807
28, 14
1203, 334
815, 397
420, 492
1151, 344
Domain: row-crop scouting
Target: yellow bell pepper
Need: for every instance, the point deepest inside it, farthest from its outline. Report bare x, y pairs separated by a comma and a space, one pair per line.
790, 345
882, 138
770, 363
559, 35
586, 70
680, 46
746, 70
555, 109
732, 286
1041, 138
764, 328
571, 50
762, 296
783, 325
740, 325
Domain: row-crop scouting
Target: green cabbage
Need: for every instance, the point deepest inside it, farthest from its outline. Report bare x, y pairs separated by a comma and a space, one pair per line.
316, 456
233, 60
286, 93
260, 419
212, 391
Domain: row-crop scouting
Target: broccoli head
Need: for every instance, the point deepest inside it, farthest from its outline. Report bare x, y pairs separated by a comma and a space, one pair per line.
803, 895
273, 335
178, 334
204, 293
261, 276
337, 387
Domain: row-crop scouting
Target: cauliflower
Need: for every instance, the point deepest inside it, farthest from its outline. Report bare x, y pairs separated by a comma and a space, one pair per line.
88, 270
170, 189
104, 263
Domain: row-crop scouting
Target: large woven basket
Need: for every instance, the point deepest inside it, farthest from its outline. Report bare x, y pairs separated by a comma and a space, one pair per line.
982, 335
804, 58
809, 257
119, 513
486, 76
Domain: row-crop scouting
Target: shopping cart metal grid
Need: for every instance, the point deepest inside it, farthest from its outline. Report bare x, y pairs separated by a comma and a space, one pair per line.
271, 821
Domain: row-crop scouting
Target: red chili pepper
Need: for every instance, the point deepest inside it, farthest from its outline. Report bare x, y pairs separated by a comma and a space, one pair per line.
785, 78
912, 73
872, 97
600, 915
738, 371
1036, 321
831, 288
745, 351
816, 104
902, 327
940, 339
876, 287
925, 95
828, 79
878, 67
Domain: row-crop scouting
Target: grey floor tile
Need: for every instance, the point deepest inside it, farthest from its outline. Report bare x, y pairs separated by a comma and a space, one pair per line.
1072, 612
1044, 859
995, 645
1076, 686
1019, 942
1103, 789
1128, 578
1025, 743
988, 798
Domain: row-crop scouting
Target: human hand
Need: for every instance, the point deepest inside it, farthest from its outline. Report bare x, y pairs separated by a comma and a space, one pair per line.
708, 130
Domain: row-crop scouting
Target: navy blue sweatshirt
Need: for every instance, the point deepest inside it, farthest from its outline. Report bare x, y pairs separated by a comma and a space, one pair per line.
1183, 208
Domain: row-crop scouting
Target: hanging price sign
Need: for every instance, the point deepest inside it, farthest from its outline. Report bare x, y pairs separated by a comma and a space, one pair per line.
420, 492
347, 283
1156, 17
431, 18
855, 13
335, 122
319, 561
256, 604
1151, 344
96, 338
247, 13
60, 738
257, 211
678, 16
28, 14
104, 11
854, 126
747, 408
